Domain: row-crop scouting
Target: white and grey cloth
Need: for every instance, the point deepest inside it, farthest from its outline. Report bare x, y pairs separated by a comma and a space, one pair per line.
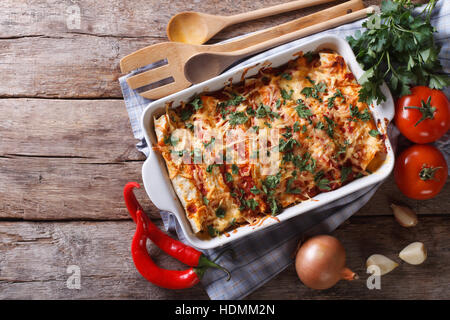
261, 256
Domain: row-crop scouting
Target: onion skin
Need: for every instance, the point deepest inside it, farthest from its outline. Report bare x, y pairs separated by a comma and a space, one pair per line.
320, 263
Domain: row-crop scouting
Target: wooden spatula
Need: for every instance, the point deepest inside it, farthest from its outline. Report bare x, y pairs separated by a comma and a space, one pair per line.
171, 76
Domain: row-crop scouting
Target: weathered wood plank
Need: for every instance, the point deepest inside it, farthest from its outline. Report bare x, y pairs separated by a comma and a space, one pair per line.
66, 189
78, 66
92, 130
137, 18
34, 258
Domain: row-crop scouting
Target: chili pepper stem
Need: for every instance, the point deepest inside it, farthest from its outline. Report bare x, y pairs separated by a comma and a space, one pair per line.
204, 263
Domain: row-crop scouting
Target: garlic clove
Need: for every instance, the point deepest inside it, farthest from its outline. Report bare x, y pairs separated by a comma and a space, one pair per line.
414, 253
404, 216
385, 264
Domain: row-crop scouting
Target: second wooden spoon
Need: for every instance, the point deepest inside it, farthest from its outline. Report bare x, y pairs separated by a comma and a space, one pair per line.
197, 28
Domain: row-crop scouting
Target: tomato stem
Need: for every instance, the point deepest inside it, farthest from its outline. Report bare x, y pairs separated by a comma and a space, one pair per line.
427, 173
426, 109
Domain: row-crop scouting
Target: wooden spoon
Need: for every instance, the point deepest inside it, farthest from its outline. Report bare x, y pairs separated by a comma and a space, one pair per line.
197, 28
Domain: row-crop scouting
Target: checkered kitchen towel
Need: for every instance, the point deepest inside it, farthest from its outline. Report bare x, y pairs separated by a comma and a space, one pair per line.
260, 257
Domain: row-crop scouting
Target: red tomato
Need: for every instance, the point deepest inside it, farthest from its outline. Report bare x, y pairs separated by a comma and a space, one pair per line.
420, 172
423, 116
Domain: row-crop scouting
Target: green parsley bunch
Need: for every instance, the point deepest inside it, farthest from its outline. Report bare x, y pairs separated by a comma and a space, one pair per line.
399, 50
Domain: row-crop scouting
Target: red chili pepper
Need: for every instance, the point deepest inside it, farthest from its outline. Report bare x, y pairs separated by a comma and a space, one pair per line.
170, 279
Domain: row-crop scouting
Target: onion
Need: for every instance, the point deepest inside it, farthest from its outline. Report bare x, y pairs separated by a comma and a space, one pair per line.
320, 263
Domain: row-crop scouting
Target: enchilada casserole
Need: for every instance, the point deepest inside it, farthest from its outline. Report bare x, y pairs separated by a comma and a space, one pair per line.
317, 135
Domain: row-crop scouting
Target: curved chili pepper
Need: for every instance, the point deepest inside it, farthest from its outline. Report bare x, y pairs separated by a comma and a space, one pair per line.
170, 279
174, 248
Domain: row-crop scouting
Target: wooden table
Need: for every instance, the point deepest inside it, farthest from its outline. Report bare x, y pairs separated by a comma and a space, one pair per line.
66, 151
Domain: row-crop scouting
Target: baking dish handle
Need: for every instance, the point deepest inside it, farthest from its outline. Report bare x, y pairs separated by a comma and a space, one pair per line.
155, 184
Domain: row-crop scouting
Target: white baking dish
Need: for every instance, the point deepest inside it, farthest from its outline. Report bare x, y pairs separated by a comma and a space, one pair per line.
154, 172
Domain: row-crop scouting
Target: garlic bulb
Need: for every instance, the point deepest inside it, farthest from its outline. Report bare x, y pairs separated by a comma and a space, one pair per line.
404, 216
385, 264
414, 253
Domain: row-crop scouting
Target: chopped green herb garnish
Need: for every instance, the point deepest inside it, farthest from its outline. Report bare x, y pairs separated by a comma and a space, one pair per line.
271, 182
286, 95
278, 104
250, 112
338, 93
286, 76
234, 169
197, 103
304, 128
213, 231
289, 188
220, 212
310, 55
210, 167
185, 114
313, 92
302, 110
331, 124
320, 125
356, 114
238, 118
374, 133
344, 173
273, 206
205, 200
190, 126
171, 140
252, 204
255, 190
287, 145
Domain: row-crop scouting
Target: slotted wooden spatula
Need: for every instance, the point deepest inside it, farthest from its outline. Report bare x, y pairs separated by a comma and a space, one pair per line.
172, 74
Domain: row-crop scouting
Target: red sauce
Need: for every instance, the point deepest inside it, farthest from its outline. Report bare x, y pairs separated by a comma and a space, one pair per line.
191, 208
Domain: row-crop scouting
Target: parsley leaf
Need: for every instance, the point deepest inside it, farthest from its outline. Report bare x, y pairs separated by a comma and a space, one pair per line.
356, 114
321, 182
315, 90
286, 95
238, 118
213, 231
344, 173
197, 103
330, 100
220, 212
171, 140
374, 133
185, 114
302, 110
286, 76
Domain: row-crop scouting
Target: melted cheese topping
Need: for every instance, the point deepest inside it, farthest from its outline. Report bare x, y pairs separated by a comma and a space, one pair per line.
326, 138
